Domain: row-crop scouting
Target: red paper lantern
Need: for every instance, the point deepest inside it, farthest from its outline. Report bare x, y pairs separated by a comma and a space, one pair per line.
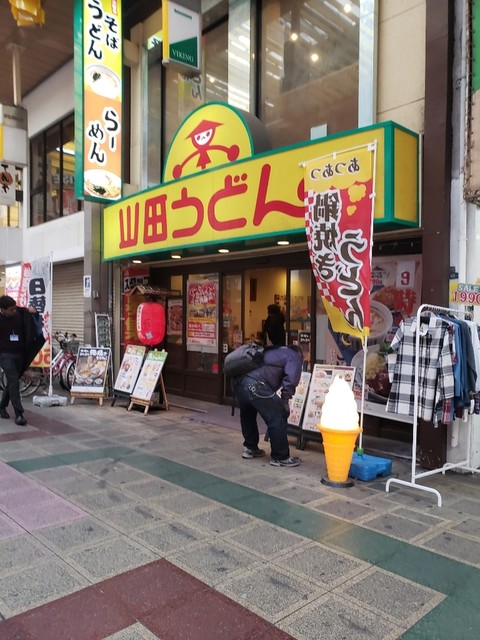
150, 323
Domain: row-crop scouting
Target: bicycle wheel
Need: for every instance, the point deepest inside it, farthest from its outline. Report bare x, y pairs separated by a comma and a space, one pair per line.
67, 375
29, 383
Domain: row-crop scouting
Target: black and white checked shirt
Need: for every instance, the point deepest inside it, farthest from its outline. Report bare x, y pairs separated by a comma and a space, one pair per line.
435, 368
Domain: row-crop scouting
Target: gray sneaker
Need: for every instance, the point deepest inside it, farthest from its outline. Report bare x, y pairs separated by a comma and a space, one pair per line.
252, 453
288, 462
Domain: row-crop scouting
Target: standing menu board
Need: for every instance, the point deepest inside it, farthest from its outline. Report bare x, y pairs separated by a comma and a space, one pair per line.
91, 371
149, 376
298, 401
129, 369
322, 377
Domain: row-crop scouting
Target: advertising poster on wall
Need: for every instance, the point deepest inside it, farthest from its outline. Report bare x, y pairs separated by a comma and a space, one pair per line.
395, 294
129, 369
322, 378
174, 317
149, 375
202, 297
91, 371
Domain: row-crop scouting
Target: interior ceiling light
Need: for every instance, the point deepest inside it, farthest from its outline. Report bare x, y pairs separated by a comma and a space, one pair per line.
347, 7
314, 57
176, 256
137, 261
223, 251
294, 36
283, 243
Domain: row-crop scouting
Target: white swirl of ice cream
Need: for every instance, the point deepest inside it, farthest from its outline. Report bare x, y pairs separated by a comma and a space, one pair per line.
339, 410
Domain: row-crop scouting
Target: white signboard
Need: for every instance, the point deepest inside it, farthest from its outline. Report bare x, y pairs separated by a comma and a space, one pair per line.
149, 375
181, 36
297, 403
322, 377
130, 368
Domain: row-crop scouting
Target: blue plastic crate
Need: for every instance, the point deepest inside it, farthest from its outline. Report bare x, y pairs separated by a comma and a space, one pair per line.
365, 467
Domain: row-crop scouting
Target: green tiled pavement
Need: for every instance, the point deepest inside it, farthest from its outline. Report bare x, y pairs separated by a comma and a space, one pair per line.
458, 614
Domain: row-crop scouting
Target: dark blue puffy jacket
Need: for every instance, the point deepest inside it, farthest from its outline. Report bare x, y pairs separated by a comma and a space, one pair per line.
282, 368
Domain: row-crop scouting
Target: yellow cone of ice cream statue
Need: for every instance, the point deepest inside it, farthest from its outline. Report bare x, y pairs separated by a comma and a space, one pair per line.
339, 428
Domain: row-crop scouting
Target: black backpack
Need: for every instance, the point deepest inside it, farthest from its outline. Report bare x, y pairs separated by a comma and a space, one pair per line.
244, 359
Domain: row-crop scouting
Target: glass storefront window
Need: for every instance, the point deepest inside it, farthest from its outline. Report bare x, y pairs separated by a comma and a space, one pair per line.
52, 189
202, 322
309, 69
301, 311
174, 332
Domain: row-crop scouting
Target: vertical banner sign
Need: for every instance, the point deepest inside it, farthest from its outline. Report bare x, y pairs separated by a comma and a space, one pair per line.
98, 99
7, 184
339, 201
35, 290
181, 36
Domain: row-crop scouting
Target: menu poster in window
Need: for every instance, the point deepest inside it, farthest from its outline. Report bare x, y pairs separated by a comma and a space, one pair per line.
174, 317
322, 378
149, 375
202, 298
130, 368
91, 371
102, 330
297, 403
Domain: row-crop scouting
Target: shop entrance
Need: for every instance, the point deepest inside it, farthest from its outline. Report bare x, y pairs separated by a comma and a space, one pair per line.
238, 294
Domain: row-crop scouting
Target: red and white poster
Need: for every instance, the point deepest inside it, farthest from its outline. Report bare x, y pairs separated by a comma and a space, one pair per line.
202, 299
339, 202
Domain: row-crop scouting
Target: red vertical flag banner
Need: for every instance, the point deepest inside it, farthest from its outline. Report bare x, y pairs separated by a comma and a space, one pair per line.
339, 205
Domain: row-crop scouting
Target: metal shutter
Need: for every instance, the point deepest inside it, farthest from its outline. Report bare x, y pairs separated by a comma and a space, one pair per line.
68, 313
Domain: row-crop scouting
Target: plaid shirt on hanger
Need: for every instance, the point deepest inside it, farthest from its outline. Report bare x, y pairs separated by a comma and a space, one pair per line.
435, 370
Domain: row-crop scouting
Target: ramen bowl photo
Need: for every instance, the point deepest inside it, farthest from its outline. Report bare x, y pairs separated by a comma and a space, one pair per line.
381, 321
103, 81
102, 184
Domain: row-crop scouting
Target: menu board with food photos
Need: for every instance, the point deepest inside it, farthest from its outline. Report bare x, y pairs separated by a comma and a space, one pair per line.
91, 371
149, 375
297, 403
129, 369
322, 377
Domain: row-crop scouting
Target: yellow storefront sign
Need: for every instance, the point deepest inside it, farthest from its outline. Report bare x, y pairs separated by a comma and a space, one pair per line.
255, 197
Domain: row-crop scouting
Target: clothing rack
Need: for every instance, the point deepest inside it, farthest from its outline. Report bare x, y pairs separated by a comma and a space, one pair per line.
448, 465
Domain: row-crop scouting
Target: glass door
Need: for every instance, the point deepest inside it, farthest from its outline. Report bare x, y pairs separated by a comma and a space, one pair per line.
232, 325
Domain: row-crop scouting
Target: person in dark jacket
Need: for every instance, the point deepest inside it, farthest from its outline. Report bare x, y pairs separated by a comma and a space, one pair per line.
255, 393
274, 326
21, 338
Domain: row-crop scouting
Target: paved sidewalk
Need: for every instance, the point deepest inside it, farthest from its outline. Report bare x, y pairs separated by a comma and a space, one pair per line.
123, 526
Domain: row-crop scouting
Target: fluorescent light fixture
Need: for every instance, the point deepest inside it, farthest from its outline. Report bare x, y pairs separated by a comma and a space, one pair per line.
176, 256
137, 261
223, 251
67, 152
283, 243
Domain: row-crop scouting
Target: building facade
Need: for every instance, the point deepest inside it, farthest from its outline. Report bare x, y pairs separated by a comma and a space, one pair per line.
307, 71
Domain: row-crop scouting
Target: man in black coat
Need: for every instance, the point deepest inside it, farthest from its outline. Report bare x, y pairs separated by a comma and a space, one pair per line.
21, 338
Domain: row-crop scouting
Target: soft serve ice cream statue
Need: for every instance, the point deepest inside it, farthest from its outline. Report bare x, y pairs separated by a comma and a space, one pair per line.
339, 410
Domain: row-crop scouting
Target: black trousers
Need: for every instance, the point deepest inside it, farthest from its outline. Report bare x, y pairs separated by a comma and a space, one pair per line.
11, 364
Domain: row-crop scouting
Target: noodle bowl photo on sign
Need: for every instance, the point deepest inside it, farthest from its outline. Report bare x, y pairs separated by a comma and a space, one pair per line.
103, 81
103, 184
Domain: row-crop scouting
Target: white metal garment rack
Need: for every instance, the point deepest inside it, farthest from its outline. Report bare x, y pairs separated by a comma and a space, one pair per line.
448, 465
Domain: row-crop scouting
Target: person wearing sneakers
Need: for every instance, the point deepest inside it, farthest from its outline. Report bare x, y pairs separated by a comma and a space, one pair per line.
256, 393
21, 339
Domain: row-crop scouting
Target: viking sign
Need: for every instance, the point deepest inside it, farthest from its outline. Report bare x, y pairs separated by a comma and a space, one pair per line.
339, 199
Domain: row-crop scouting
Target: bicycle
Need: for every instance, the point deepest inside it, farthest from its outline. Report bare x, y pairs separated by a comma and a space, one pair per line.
62, 367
